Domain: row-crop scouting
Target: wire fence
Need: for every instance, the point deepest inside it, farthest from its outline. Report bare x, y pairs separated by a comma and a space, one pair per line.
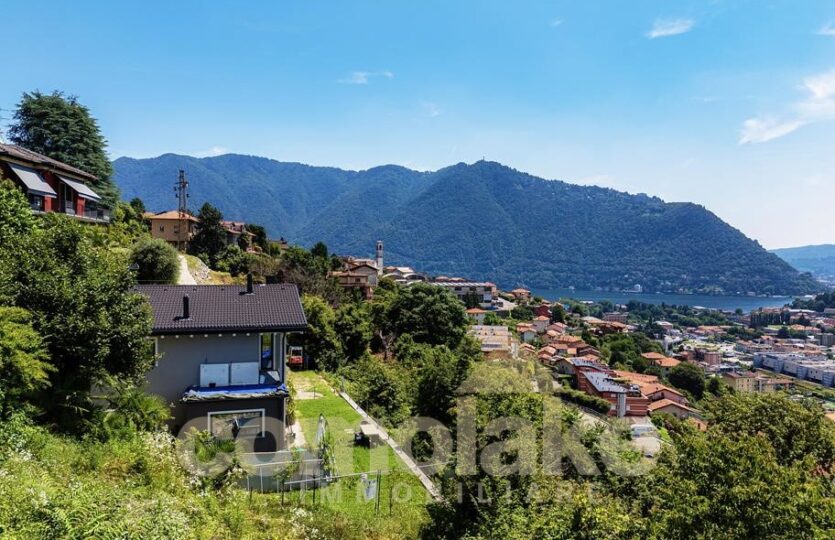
369, 493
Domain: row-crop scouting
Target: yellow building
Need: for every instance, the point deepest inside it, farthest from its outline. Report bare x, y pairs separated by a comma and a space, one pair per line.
753, 382
741, 382
174, 227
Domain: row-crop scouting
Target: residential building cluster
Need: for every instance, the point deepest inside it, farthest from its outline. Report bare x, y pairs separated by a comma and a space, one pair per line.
179, 227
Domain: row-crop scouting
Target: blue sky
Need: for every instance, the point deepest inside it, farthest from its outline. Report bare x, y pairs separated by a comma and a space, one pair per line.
730, 104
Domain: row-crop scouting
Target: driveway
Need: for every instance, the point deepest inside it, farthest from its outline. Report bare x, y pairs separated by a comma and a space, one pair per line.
185, 277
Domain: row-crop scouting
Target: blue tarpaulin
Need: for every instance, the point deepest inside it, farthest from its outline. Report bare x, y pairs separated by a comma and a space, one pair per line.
244, 391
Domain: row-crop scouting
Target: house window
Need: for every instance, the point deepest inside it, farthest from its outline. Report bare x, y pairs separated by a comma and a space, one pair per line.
162, 228
267, 351
231, 424
36, 202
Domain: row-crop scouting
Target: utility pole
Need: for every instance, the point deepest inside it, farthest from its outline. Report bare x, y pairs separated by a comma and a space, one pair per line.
181, 190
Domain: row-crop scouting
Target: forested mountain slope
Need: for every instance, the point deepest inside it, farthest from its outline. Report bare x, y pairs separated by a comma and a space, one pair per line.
484, 221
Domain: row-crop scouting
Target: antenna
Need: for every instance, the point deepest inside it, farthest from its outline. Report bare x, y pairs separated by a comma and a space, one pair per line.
182, 193
181, 188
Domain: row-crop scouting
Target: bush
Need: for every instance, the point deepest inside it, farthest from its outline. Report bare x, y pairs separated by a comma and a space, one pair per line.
129, 411
157, 260
581, 398
382, 389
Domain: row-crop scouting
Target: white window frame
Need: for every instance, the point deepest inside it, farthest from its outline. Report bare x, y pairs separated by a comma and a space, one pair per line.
274, 338
259, 435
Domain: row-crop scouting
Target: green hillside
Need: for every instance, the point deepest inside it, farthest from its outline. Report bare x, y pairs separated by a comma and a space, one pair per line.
484, 221
817, 260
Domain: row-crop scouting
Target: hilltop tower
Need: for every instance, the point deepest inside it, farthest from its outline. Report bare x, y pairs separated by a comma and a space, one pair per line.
181, 190
379, 257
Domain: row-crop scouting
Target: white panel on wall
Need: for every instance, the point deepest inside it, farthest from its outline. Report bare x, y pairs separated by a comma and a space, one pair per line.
244, 373
214, 374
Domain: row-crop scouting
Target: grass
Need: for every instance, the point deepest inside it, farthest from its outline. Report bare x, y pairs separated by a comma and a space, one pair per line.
56, 486
403, 499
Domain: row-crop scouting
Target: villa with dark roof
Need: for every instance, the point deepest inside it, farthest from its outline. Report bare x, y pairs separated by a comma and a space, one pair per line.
221, 357
52, 186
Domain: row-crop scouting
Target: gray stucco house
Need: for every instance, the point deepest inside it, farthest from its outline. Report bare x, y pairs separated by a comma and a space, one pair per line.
221, 357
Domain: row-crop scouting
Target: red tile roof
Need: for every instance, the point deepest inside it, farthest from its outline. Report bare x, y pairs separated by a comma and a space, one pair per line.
661, 403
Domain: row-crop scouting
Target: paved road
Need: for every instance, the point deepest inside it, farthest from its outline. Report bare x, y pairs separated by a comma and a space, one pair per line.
185, 277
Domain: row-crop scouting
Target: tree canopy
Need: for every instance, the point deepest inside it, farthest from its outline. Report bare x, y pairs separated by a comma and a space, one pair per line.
24, 365
80, 299
429, 314
210, 238
688, 377
58, 126
157, 261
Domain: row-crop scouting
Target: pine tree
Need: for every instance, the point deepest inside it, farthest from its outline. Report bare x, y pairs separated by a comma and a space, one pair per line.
61, 128
211, 236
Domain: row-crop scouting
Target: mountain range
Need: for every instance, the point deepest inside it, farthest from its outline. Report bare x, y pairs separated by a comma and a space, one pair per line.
817, 260
482, 220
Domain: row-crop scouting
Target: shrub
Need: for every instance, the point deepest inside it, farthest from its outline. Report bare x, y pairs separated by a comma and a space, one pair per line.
129, 410
581, 398
157, 260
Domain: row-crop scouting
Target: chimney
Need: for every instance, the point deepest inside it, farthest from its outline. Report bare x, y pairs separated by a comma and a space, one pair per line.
186, 310
249, 283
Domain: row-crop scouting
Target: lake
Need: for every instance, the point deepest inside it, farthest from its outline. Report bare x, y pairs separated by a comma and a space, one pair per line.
729, 303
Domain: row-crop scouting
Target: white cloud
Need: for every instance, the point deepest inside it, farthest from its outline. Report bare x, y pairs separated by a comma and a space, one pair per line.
556, 22
817, 106
757, 130
431, 109
213, 151
827, 30
363, 77
670, 27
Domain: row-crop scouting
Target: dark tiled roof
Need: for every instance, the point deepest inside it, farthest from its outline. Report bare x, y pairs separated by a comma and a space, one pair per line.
18, 152
225, 308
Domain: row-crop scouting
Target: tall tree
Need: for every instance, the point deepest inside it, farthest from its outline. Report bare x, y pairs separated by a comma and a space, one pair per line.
320, 340
58, 126
138, 205
429, 314
557, 313
81, 300
352, 325
260, 238
689, 377
211, 236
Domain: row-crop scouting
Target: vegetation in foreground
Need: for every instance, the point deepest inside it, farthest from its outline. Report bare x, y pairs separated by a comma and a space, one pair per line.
74, 464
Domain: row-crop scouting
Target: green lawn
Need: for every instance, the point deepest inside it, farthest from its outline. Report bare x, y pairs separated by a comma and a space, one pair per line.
403, 499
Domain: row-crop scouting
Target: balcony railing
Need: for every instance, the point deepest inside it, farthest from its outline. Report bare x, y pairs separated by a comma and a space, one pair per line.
91, 213
97, 214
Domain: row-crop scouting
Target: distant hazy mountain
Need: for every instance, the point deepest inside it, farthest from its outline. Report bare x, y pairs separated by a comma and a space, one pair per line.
483, 221
818, 260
